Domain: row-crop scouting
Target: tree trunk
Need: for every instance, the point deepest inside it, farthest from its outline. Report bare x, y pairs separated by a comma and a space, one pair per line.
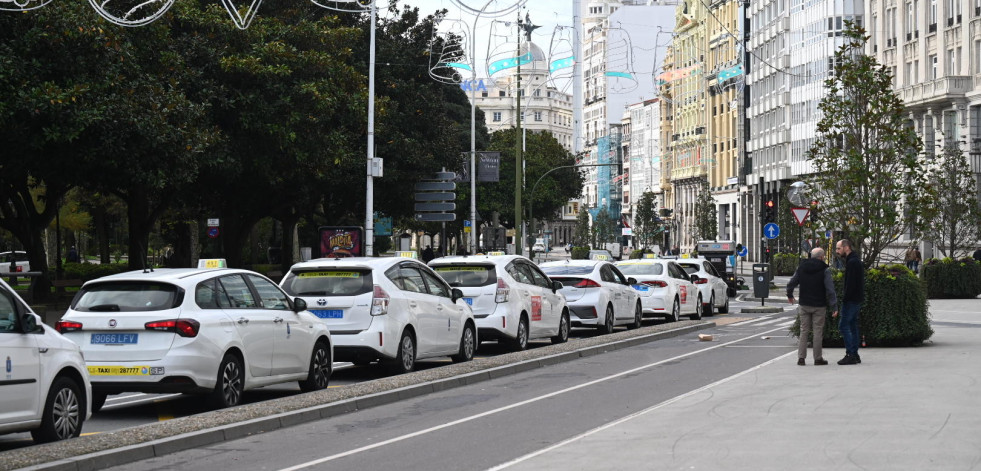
138, 209
182, 246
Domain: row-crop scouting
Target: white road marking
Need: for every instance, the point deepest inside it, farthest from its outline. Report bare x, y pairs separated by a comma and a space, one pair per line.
515, 405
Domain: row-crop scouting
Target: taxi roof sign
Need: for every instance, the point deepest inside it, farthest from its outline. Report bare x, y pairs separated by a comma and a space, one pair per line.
407, 254
650, 255
212, 263
495, 253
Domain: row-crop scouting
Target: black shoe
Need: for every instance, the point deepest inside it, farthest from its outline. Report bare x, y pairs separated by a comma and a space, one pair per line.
848, 360
800, 362
820, 362
858, 359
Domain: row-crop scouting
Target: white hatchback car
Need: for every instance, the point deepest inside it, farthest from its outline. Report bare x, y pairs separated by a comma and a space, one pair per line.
214, 331
665, 289
45, 388
597, 293
512, 300
14, 262
392, 309
710, 284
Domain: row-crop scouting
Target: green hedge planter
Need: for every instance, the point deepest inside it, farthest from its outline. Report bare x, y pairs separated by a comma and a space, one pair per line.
580, 253
895, 312
949, 278
91, 271
784, 264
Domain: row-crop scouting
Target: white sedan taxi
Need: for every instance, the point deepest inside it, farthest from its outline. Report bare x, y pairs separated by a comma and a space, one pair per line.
392, 309
44, 387
710, 284
665, 289
597, 293
512, 300
213, 331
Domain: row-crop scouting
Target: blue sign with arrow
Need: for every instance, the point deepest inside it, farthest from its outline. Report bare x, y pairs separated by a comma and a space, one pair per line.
771, 230
743, 252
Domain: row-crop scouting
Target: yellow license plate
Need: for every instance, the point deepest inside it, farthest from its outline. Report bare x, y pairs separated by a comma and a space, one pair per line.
124, 370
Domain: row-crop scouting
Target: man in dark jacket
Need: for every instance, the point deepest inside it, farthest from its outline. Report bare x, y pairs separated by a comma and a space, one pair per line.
817, 292
851, 301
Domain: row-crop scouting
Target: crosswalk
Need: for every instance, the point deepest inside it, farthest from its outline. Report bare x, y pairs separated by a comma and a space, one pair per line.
775, 321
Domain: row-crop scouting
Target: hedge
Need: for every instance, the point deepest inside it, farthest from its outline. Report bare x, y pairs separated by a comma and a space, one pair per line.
784, 264
949, 278
91, 271
895, 312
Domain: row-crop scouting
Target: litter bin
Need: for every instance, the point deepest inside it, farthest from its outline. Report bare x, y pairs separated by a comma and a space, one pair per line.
761, 280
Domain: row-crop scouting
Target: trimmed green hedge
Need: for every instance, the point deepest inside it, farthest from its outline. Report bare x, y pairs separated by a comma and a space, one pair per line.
91, 271
580, 253
895, 312
949, 278
784, 264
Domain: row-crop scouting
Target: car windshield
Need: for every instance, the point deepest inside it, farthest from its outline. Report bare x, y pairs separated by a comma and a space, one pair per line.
567, 270
328, 282
690, 268
467, 275
128, 296
641, 268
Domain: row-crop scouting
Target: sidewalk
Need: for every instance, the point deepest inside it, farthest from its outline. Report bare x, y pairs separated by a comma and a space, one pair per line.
902, 408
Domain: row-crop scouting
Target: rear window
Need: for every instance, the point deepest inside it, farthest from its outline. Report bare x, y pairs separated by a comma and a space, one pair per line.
641, 269
567, 270
128, 297
467, 275
328, 283
689, 268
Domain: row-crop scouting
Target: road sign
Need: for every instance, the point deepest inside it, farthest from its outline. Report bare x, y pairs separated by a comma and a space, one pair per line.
466, 225
213, 232
744, 252
444, 217
435, 206
827, 234
213, 222
771, 230
445, 175
800, 214
435, 186
436, 196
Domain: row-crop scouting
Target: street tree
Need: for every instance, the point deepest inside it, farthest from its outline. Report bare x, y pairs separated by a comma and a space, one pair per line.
581, 235
706, 215
953, 216
647, 225
604, 227
868, 172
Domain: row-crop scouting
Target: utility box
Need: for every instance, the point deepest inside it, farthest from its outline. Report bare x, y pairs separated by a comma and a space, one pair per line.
761, 280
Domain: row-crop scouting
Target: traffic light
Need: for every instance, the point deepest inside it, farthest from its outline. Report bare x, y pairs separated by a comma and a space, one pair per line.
814, 212
769, 211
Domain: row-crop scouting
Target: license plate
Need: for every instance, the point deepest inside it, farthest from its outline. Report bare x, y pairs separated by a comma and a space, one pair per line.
114, 339
125, 370
328, 313
469, 301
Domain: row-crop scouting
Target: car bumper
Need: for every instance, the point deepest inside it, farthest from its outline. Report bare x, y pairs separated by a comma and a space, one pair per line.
174, 374
379, 341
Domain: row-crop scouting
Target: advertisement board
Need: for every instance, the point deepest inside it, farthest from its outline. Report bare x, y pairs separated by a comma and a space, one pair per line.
341, 241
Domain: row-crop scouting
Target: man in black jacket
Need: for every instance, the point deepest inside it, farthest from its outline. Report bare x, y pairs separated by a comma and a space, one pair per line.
851, 301
817, 292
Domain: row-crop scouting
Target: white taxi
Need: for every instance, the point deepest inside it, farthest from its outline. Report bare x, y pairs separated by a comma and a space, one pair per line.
597, 293
214, 331
393, 309
512, 300
666, 290
710, 284
44, 387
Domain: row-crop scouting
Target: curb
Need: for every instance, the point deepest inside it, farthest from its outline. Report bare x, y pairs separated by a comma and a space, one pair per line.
195, 439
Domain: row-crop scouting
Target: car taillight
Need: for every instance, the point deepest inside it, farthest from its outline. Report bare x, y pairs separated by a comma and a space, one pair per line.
503, 290
701, 281
182, 327
19, 269
67, 326
379, 301
658, 283
587, 283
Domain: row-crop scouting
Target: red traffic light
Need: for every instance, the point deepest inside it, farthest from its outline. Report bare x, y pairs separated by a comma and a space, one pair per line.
769, 203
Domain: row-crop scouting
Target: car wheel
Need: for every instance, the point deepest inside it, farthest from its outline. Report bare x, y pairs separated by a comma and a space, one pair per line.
320, 367
98, 400
697, 316
563, 335
405, 361
520, 342
725, 307
230, 384
675, 311
607, 327
708, 308
468, 345
638, 317
63, 413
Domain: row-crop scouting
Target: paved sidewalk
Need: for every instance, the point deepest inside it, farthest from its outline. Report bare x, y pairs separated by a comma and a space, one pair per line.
902, 408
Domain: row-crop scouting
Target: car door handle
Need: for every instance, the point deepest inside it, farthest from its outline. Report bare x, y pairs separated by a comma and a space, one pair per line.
278, 320
42, 349
242, 320
439, 307
412, 304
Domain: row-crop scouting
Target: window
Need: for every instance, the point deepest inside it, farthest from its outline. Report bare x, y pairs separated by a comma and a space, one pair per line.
270, 295
933, 14
8, 313
239, 294
910, 18
951, 65
933, 61
410, 279
436, 286
538, 116
497, 116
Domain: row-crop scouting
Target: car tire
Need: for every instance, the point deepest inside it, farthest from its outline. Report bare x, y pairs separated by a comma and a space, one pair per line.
724, 309
520, 342
563, 335
405, 360
320, 368
675, 315
63, 413
697, 316
707, 309
638, 317
607, 327
230, 385
98, 400
468, 345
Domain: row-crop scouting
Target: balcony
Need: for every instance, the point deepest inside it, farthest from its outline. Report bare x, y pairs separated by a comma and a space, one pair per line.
941, 88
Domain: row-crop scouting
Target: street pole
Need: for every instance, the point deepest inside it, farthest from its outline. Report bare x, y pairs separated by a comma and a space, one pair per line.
518, 159
369, 220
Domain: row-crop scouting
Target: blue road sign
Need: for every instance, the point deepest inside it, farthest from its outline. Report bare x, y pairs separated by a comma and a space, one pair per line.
827, 234
466, 223
771, 230
744, 252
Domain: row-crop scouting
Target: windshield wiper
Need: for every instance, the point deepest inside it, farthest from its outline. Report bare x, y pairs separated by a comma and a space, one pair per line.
104, 307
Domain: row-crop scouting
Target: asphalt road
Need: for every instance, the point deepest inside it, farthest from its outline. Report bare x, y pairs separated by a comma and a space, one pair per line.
484, 425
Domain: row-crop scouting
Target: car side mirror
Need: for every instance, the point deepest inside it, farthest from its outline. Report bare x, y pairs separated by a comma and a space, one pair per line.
456, 294
28, 323
694, 278
299, 305
631, 281
556, 285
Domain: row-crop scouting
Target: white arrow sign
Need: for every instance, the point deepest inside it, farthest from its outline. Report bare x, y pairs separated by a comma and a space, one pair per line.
800, 214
